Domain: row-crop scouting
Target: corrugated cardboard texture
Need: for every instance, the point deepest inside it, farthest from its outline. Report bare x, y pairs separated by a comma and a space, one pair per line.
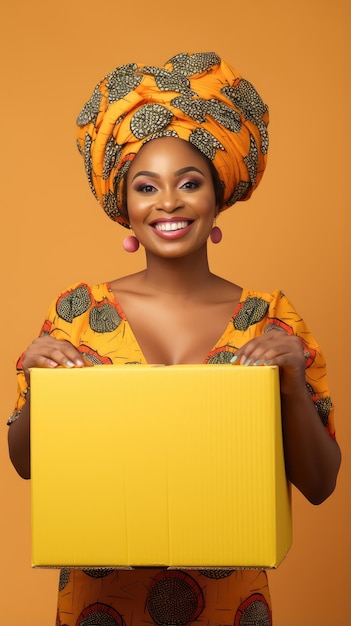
141, 466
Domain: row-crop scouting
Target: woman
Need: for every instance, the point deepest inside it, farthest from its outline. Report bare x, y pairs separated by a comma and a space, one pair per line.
165, 150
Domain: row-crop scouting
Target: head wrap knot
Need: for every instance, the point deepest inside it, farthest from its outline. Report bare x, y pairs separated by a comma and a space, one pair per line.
195, 97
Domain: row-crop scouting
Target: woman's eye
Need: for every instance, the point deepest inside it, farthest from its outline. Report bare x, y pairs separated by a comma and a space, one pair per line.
190, 184
146, 188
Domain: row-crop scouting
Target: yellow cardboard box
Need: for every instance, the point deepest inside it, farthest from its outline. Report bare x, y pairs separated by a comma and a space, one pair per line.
180, 466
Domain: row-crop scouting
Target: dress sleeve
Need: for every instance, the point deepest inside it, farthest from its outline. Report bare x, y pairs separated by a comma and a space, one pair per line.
283, 315
57, 326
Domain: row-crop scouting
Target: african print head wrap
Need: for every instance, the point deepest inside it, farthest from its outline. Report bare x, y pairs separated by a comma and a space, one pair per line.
195, 97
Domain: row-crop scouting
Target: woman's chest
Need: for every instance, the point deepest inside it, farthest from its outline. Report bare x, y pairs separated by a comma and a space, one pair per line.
179, 334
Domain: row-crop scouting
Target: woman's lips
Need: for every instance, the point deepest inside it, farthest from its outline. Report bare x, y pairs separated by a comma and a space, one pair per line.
172, 229
166, 226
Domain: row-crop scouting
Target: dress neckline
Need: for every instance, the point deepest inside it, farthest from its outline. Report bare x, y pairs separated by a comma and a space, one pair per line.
220, 341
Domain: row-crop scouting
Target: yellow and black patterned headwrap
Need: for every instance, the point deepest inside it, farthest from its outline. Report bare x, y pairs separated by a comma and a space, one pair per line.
196, 97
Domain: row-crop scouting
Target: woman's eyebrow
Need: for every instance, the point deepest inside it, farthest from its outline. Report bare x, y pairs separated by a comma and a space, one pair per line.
145, 173
189, 168
183, 170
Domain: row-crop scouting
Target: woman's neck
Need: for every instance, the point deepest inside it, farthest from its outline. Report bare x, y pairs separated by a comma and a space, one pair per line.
181, 276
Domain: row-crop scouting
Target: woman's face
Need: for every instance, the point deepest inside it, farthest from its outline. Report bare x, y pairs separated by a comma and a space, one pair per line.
170, 197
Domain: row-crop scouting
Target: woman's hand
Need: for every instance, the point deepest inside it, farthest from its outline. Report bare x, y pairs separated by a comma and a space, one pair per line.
46, 351
276, 347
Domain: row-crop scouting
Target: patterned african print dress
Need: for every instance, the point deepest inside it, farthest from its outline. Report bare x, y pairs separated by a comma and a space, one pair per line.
92, 319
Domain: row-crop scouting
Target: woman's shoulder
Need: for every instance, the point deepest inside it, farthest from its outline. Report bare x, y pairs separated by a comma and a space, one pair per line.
78, 299
271, 298
83, 291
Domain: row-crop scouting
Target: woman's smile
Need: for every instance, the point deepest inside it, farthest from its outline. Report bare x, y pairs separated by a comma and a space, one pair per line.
172, 228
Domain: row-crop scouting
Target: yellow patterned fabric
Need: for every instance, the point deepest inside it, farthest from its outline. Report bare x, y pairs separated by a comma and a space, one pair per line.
93, 320
195, 97
163, 597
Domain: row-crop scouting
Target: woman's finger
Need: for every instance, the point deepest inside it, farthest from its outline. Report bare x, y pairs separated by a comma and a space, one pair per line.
50, 352
275, 348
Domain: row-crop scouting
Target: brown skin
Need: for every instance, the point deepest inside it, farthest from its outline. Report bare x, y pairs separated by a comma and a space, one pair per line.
178, 291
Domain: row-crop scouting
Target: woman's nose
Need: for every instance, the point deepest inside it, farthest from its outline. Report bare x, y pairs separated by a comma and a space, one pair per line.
168, 200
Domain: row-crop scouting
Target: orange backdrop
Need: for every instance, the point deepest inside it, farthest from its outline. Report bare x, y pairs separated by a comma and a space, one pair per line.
290, 235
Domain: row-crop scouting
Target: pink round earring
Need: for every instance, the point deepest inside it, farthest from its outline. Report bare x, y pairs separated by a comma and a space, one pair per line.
130, 244
216, 234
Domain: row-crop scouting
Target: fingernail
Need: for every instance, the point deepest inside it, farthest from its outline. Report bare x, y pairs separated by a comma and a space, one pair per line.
268, 362
69, 363
233, 359
258, 362
242, 360
247, 362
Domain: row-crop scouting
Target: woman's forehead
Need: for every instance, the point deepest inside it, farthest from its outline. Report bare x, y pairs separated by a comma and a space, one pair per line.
169, 152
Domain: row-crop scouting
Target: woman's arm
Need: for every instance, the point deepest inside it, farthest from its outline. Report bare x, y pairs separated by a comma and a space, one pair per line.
45, 351
312, 457
19, 441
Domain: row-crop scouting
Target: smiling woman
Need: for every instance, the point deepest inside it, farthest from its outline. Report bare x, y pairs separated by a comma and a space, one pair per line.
165, 151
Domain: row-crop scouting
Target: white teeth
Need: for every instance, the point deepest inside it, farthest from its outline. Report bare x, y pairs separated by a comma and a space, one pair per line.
171, 225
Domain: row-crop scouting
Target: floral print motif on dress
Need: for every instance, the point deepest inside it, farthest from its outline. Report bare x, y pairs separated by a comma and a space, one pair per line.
251, 311
175, 598
74, 303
